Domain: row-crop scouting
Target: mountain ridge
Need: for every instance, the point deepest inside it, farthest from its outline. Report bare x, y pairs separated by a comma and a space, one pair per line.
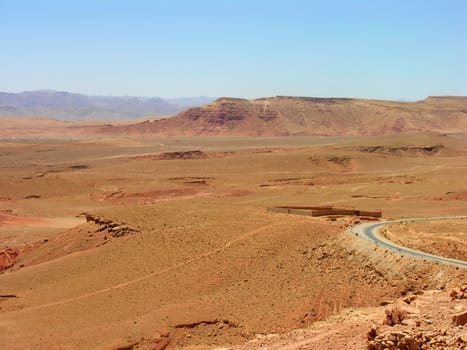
68, 106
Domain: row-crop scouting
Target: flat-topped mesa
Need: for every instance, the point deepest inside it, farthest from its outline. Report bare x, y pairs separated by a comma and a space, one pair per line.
225, 99
445, 98
454, 102
214, 116
289, 115
292, 116
230, 115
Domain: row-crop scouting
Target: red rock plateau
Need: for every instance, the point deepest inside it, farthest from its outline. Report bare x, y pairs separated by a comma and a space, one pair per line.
278, 116
282, 116
167, 243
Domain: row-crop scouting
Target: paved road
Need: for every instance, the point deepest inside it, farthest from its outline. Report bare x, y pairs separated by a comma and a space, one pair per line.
369, 231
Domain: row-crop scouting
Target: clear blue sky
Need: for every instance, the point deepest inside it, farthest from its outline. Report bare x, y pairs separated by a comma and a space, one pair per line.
388, 49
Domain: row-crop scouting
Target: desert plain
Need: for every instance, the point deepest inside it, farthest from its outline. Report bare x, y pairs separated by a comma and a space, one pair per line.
166, 242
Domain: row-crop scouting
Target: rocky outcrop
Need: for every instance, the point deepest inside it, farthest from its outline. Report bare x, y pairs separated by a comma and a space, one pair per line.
206, 322
195, 154
407, 340
115, 229
423, 322
8, 257
404, 150
230, 116
460, 318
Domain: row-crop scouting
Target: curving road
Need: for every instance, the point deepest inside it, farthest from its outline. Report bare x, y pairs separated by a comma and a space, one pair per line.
369, 231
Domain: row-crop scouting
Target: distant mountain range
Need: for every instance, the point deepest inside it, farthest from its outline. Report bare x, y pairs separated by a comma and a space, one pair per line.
75, 107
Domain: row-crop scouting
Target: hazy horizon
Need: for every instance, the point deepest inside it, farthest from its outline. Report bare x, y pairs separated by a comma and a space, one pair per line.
213, 97
394, 50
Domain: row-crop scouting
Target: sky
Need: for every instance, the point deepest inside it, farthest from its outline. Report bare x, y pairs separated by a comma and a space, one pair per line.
385, 49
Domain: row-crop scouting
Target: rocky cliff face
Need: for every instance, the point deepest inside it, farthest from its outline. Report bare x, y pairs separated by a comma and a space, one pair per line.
231, 116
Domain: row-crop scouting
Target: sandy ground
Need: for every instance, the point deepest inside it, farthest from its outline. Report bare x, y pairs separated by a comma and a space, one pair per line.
181, 253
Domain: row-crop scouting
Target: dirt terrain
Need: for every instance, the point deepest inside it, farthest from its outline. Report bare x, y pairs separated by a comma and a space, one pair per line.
154, 243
